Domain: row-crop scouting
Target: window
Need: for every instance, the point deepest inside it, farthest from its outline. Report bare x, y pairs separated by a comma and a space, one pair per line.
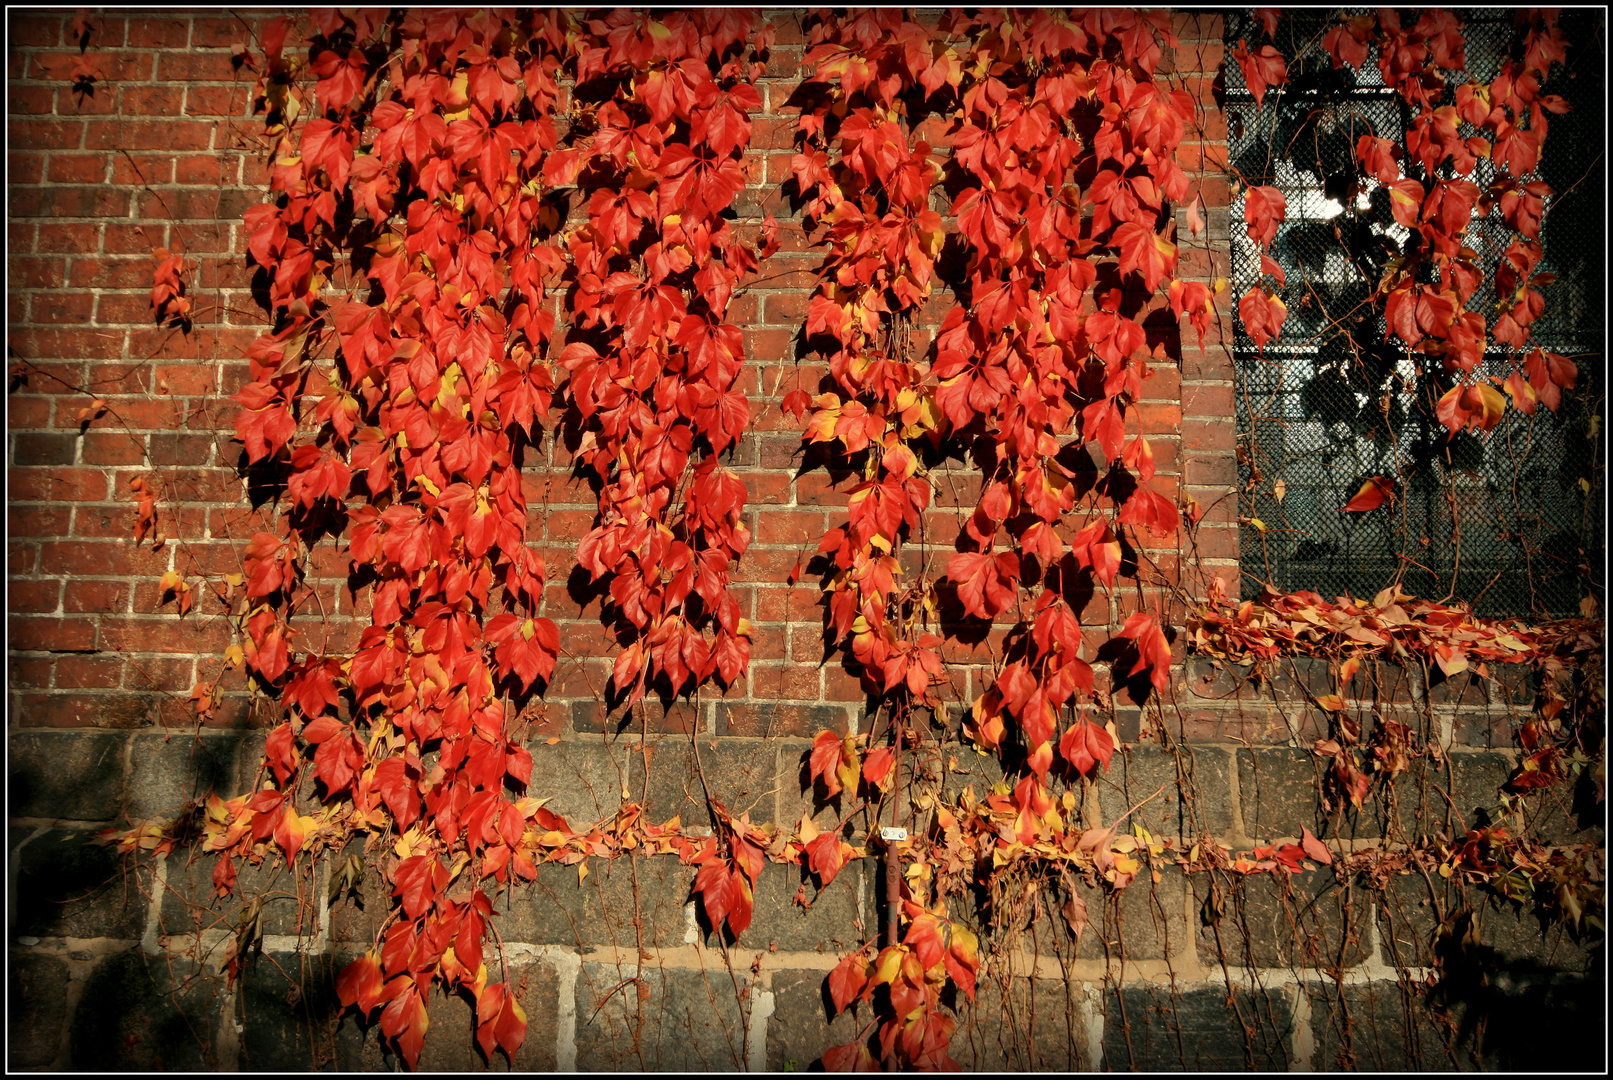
1510, 521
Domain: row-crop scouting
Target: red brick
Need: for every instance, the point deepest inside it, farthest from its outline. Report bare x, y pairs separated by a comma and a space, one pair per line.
34, 597
21, 558
217, 100
183, 204
207, 169
89, 671
221, 32
94, 596
111, 448
185, 380
123, 559
159, 673
785, 682
195, 66
35, 31
113, 309
133, 239
117, 67
35, 272
161, 101
1160, 417
164, 634
1216, 543
65, 485
1207, 401
148, 135
48, 633
107, 710
97, 273
74, 238
31, 672
27, 412
49, 520
61, 308
32, 101
158, 33
1216, 436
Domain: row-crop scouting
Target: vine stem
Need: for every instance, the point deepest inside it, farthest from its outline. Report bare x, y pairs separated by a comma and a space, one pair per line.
1139, 806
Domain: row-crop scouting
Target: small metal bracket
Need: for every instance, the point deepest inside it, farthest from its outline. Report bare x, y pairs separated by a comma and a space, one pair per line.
888, 833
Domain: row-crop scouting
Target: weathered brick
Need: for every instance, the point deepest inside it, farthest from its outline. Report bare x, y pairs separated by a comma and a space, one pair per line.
70, 885
149, 1013
1158, 1030
804, 1023
828, 921
75, 776
1029, 1025
37, 986
666, 1019
1289, 920
668, 778
1188, 795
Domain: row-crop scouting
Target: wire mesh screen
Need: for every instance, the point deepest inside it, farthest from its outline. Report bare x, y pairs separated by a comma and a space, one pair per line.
1511, 520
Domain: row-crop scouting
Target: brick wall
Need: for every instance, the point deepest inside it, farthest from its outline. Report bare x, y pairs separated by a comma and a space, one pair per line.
165, 154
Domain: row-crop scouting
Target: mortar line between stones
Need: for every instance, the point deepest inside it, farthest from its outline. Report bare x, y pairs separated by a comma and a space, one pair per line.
1094, 1025
568, 966
153, 928
1302, 1041
761, 1012
13, 871
1235, 794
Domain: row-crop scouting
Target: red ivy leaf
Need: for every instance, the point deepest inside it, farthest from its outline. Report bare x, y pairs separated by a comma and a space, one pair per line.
826, 855
360, 984
1086, 746
847, 981
417, 882
1315, 848
986, 583
1153, 650
825, 761
1262, 68
1371, 495
1264, 208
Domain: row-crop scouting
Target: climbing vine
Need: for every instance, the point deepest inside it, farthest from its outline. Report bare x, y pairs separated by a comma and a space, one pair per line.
1426, 291
1021, 364
454, 191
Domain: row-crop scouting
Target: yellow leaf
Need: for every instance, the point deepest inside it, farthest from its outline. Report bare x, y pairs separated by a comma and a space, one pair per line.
582, 872
890, 965
1348, 669
404, 848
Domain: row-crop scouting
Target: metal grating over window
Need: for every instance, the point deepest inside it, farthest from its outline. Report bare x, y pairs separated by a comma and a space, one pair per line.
1511, 522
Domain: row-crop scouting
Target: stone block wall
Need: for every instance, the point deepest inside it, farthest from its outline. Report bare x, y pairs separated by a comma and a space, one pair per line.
113, 966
